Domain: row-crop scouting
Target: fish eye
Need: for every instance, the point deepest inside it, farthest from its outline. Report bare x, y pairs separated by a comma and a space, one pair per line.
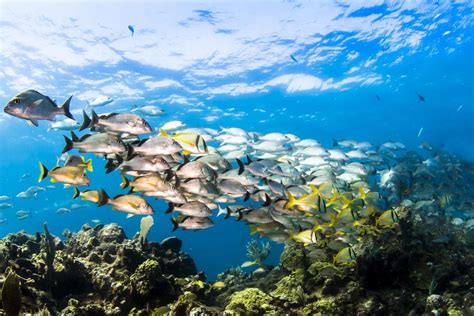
16, 101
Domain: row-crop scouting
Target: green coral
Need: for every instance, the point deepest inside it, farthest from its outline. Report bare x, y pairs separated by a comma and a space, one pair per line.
145, 277
184, 304
324, 306
249, 301
293, 257
290, 288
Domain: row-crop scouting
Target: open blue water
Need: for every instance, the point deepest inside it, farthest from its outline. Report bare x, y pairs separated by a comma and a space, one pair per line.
229, 65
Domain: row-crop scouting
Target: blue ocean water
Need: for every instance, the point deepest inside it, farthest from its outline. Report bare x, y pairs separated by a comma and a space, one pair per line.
359, 67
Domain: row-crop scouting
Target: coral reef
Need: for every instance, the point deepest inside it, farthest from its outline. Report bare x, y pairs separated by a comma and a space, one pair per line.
98, 267
419, 267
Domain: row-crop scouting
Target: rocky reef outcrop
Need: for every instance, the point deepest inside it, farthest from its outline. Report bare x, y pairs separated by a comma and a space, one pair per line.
424, 266
97, 271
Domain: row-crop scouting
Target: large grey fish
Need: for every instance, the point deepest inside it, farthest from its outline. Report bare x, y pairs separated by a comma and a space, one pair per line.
192, 222
200, 187
193, 208
195, 169
158, 145
32, 106
101, 143
117, 122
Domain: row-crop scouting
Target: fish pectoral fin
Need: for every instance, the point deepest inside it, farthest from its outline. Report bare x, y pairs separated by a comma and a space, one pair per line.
36, 103
32, 122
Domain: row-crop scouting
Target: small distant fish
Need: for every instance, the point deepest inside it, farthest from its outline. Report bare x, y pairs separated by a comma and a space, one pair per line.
77, 206
100, 101
420, 131
27, 195
23, 214
422, 98
293, 58
150, 110
459, 108
6, 205
32, 106
173, 125
63, 210
4, 198
95, 221
65, 125
132, 30
25, 176
3, 221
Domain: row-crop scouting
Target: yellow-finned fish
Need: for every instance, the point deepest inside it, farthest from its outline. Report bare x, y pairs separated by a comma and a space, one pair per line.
192, 143
79, 161
311, 200
99, 197
388, 218
307, 237
68, 175
346, 255
132, 204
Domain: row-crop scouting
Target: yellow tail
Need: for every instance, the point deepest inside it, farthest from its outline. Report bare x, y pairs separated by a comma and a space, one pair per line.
43, 172
291, 200
88, 164
253, 230
163, 133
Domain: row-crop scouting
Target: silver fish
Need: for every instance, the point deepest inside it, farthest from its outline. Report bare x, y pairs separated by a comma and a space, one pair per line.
32, 106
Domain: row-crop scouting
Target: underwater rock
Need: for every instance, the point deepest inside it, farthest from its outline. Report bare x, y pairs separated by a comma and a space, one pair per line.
290, 290
172, 243
100, 267
250, 301
293, 257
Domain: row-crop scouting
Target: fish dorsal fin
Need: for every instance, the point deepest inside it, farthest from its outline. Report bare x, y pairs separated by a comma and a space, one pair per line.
55, 168
107, 116
52, 101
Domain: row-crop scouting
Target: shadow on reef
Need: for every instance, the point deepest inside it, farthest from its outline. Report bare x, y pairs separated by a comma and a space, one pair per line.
424, 266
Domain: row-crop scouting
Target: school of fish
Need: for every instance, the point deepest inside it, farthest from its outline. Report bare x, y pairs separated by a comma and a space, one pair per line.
283, 187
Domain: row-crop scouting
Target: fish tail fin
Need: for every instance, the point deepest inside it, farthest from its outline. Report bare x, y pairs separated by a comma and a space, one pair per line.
103, 198
291, 235
314, 189
88, 164
333, 219
175, 223
253, 230
125, 183
65, 108
241, 166
86, 121
68, 146
170, 208
268, 200
291, 200
43, 172
246, 196
163, 133
76, 193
